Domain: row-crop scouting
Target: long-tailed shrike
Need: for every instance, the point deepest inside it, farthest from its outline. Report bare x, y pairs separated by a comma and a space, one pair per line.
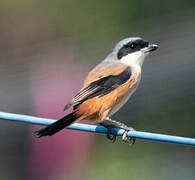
107, 88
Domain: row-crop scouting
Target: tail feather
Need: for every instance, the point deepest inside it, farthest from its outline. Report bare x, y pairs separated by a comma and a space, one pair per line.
58, 125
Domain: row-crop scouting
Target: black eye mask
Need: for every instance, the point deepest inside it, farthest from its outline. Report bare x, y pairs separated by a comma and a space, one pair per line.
131, 47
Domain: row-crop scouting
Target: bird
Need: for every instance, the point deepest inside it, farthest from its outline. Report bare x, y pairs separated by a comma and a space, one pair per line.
106, 88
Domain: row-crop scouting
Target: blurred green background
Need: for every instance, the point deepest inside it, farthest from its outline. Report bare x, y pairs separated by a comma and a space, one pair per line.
47, 48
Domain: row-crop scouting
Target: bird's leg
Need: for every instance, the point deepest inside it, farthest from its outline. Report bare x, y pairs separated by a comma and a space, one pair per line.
109, 123
109, 135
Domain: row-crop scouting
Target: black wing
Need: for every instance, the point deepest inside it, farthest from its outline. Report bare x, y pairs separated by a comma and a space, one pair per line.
101, 87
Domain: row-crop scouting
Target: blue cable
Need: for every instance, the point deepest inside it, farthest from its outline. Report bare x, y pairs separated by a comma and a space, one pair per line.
100, 129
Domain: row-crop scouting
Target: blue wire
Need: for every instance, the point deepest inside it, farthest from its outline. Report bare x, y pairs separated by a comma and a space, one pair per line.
100, 129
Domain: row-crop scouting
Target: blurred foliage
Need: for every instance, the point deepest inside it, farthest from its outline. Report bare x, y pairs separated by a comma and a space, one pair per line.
89, 19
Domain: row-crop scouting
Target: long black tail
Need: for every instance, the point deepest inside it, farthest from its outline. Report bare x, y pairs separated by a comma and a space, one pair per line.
57, 126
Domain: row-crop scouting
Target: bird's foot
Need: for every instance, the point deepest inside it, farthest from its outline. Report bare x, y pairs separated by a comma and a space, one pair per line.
110, 136
109, 124
128, 139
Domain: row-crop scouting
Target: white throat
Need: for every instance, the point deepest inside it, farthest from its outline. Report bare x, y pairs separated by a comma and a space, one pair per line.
134, 59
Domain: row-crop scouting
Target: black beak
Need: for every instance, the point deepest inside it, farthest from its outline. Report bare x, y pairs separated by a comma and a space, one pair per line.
152, 47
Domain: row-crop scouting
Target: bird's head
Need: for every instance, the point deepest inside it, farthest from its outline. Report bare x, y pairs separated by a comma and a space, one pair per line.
132, 51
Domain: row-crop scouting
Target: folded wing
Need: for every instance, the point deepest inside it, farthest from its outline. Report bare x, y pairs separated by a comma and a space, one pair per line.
102, 84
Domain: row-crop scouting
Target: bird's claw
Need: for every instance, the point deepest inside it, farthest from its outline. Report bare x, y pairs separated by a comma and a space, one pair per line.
125, 139
128, 139
111, 137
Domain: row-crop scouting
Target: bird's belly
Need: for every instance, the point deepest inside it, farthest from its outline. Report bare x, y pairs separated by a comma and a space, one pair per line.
122, 102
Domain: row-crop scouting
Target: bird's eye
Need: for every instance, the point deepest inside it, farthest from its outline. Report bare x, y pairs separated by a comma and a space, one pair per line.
132, 45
